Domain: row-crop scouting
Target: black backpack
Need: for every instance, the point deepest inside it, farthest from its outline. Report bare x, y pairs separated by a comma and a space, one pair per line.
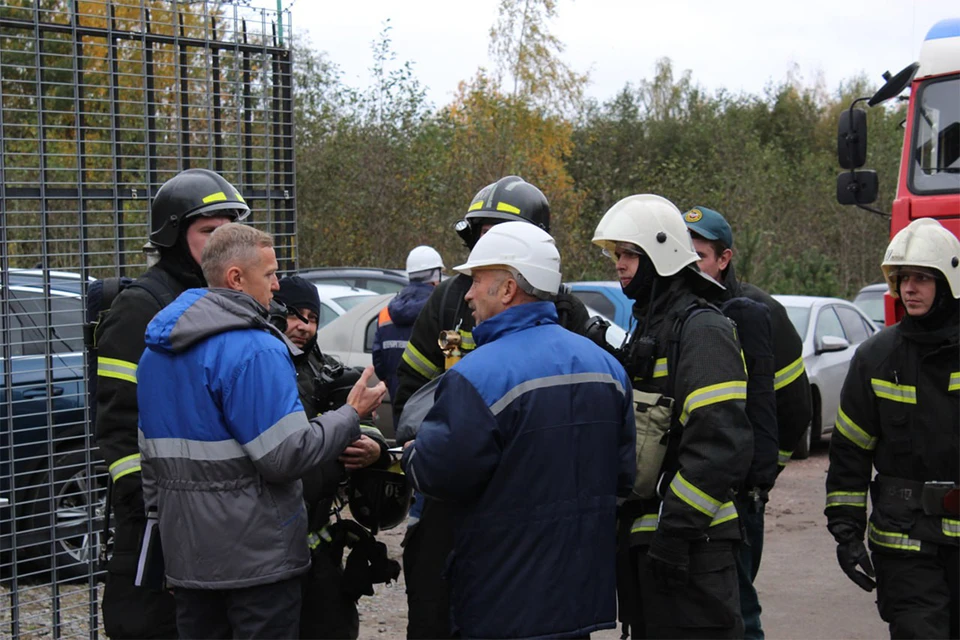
100, 297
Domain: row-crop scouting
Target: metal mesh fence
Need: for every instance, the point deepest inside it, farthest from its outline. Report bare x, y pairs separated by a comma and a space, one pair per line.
101, 101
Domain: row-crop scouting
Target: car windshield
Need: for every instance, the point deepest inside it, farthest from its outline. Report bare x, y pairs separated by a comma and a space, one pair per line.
349, 302
871, 302
936, 141
799, 316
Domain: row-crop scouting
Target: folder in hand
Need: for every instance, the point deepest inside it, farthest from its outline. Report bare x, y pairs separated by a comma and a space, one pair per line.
150, 569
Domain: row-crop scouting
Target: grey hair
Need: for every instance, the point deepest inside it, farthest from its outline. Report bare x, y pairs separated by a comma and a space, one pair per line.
230, 245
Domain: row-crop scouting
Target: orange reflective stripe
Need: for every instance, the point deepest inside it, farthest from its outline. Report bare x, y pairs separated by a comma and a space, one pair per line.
384, 317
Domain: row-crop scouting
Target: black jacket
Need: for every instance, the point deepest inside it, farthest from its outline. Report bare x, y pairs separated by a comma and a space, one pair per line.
120, 343
447, 310
708, 459
790, 382
899, 413
320, 483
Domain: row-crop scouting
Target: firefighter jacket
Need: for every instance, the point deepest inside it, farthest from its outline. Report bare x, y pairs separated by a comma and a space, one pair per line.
320, 483
534, 452
446, 309
120, 343
899, 413
394, 327
711, 441
794, 408
224, 442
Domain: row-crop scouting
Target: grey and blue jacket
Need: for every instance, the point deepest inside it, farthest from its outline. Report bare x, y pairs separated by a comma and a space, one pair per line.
224, 441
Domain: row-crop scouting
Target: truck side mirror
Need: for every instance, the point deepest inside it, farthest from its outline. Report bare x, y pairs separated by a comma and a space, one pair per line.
852, 138
894, 85
857, 187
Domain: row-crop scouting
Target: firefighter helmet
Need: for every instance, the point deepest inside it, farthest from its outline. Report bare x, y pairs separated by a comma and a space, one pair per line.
379, 499
511, 198
923, 243
191, 193
652, 223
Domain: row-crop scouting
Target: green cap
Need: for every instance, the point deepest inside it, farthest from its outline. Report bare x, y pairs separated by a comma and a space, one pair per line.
709, 224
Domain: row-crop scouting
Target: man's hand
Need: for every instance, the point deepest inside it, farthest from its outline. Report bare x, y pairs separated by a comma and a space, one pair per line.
360, 453
364, 398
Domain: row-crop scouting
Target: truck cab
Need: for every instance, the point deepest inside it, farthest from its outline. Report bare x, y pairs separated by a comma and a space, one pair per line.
929, 177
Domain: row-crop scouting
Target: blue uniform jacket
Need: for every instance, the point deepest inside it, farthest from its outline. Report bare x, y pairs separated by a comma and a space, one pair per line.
224, 441
394, 327
533, 436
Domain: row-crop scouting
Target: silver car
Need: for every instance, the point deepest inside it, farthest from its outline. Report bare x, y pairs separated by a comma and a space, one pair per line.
831, 330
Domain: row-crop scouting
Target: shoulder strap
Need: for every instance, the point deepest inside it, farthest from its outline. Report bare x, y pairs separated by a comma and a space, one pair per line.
673, 340
158, 284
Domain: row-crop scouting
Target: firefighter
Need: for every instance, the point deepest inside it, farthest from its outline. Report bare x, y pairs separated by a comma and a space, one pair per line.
429, 540
395, 323
900, 414
329, 609
185, 211
777, 423
679, 530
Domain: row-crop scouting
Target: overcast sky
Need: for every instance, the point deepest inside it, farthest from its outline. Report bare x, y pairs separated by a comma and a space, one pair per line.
737, 44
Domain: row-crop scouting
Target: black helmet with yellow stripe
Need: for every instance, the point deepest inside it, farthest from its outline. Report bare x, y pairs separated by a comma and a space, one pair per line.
509, 198
191, 193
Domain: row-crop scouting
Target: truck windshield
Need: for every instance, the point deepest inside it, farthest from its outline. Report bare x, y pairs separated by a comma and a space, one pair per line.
935, 166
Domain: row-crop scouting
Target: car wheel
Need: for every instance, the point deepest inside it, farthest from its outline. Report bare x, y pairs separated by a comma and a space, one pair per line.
76, 523
813, 432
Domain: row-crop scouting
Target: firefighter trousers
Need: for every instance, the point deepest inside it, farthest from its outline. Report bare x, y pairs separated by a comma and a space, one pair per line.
749, 554
917, 595
130, 611
426, 548
708, 606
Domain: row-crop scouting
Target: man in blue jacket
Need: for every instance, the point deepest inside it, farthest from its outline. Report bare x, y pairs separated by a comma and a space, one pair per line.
224, 442
395, 323
532, 436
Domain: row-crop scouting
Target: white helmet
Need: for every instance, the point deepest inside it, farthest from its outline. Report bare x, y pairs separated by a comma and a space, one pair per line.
423, 258
523, 247
923, 243
652, 223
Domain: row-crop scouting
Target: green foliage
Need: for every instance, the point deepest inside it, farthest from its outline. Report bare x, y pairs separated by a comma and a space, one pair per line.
380, 171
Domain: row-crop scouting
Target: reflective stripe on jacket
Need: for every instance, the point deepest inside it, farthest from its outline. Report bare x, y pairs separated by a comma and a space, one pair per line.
899, 415
224, 441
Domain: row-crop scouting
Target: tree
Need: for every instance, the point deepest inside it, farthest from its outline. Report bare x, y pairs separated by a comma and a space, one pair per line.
525, 51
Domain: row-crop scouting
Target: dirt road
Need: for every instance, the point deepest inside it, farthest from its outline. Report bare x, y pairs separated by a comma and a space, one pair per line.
803, 592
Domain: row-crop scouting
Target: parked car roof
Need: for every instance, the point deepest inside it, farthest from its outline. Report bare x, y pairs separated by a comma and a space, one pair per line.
336, 300
373, 278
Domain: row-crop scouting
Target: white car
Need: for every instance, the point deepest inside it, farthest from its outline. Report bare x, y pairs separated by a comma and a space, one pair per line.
336, 300
831, 330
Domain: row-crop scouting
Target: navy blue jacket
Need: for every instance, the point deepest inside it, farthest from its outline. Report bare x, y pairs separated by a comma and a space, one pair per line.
532, 436
394, 327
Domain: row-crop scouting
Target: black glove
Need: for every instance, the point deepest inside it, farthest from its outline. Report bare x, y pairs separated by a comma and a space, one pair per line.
669, 561
852, 554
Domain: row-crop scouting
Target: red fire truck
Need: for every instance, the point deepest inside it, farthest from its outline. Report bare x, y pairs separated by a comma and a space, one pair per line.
929, 180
